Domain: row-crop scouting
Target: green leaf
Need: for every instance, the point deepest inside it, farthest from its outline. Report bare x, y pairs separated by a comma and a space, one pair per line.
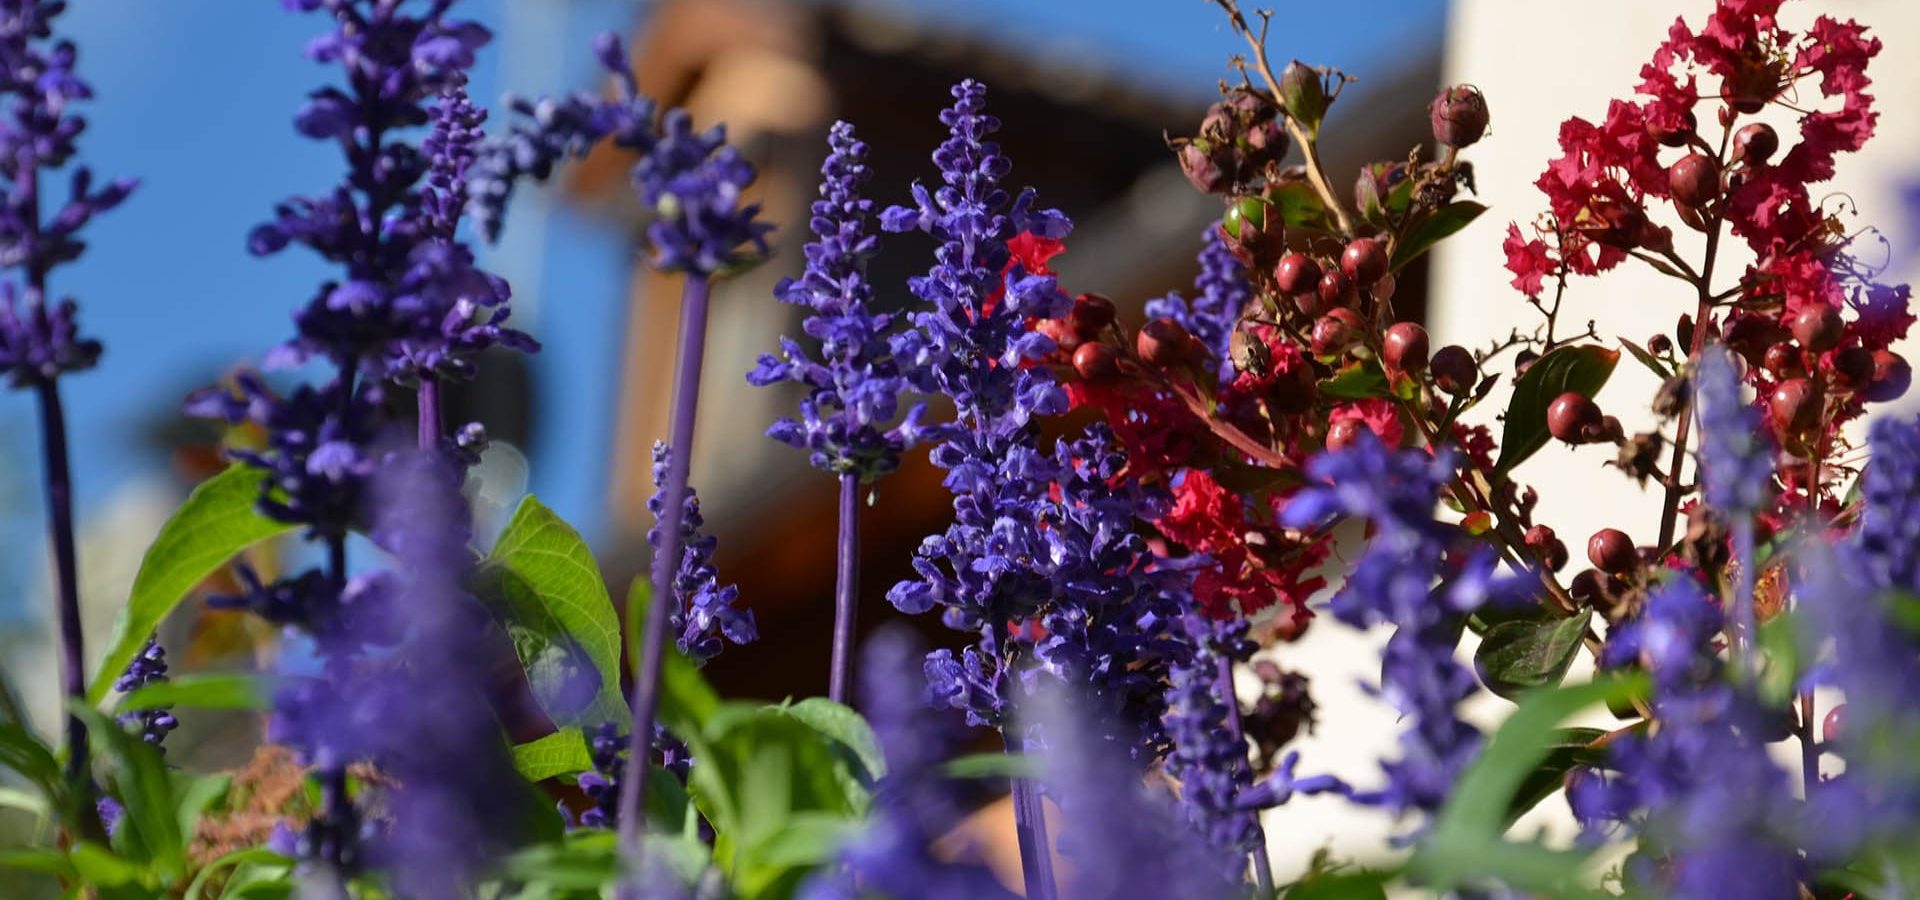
993, 765
1357, 382
216, 523
36, 859
809, 839
555, 607
1299, 205
196, 889
586, 861
1646, 358
1440, 225
151, 820
1582, 369
25, 801
200, 794
202, 691
563, 752
839, 722
23, 753
1520, 656
1362, 885
101, 866
760, 770
1568, 747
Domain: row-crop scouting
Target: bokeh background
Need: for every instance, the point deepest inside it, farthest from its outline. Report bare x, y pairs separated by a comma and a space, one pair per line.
196, 98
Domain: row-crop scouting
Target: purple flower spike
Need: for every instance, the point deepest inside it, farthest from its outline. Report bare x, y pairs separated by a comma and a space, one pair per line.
1220, 292
150, 667
705, 616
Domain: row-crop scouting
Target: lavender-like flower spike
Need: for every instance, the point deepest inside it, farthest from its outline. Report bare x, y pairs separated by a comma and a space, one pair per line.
150, 667
1736, 460
1714, 815
1220, 292
451, 150
1209, 755
1394, 582
855, 382
608, 748
704, 611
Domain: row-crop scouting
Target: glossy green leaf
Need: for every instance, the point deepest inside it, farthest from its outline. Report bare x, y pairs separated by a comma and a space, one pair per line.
217, 521
545, 587
151, 823
1583, 369
1358, 381
1519, 656
839, 722
1441, 224
563, 752
202, 691
1568, 747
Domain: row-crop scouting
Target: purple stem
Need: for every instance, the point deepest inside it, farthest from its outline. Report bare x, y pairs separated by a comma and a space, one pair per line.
846, 595
429, 401
1744, 628
666, 560
1262, 866
1030, 828
53, 434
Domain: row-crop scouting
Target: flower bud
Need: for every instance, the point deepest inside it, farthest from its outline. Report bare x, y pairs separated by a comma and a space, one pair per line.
1891, 377
1164, 343
1204, 169
1755, 144
1611, 551
1303, 94
1364, 261
1096, 362
1659, 344
1454, 370
1817, 327
1404, 349
1694, 180
1336, 331
1296, 274
1573, 417
1458, 116
1547, 547
1091, 314
1586, 587
1794, 406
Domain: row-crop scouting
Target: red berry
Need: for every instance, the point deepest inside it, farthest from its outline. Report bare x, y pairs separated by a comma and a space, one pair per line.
1794, 406
1335, 289
1834, 726
1458, 116
1674, 137
1091, 314
1817, 327
1296, 274
1454, 370
1694, 180
1851, 369
1572, 417
1334, 332
1344, 432
1586, 587
1611, 551
1891, 377
1096, 362
1364, 261
1755, 144
1404, 349
1164, 343
1783, 361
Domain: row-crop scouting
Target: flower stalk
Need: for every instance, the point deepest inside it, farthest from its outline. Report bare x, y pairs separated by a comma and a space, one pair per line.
846, 591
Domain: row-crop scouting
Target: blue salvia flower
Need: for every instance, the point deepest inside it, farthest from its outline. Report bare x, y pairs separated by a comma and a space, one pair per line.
1209, 755
1713, 814
1736, 460
1422, 577
607, 746
1112, 619
150, 667
1855, 601
1220, 292
913, 805
451, 149
972, 344
705, 613
854, 384
693, 181
376, 223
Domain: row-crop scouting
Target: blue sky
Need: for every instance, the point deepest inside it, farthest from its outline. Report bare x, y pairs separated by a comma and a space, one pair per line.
195, 98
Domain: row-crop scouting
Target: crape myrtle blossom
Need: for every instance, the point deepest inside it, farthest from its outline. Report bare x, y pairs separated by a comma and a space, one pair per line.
1714, 815
914, 806
1421, 576
855, 381
705, 615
